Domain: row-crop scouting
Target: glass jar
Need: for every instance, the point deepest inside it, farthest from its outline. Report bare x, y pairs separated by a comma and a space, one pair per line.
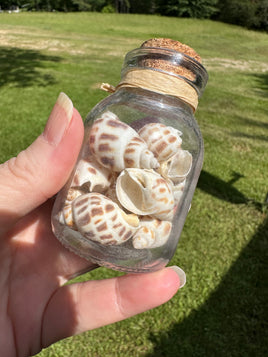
126, 201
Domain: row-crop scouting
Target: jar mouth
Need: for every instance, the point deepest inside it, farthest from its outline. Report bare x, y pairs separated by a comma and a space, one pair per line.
168, 61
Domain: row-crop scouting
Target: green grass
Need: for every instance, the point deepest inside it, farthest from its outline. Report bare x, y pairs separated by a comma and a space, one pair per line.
220, 311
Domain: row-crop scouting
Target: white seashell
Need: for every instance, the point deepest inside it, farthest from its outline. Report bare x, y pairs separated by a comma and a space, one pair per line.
145, 192
66, 214
152, 234
100, 219
176, 167
116, 145
178, 191
90, 174
164, 141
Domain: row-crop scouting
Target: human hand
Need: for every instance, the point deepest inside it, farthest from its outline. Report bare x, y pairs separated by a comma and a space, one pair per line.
36, 308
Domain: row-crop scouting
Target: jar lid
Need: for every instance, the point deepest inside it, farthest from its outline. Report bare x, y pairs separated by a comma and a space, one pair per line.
173, 45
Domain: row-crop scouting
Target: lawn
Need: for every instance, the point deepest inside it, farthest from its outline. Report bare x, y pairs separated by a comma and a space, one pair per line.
223, 246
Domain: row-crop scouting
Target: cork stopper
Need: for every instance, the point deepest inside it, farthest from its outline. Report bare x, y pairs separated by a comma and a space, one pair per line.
173, 45
167, 66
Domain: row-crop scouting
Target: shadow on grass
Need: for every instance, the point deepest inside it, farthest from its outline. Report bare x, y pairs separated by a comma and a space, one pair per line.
225, 190
24, 68
262, 80
251, 123
232, 321
221, 189
262, 137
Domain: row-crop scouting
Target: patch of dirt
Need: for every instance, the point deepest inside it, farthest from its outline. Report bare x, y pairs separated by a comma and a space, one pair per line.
21, 37
223, 63
241, 147
37, 41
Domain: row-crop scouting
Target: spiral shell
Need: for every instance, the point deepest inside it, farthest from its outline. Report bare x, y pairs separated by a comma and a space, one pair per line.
164, 141
66, 214
177, 167
152, 234
100, 219
117, 146
145, 192
93, 176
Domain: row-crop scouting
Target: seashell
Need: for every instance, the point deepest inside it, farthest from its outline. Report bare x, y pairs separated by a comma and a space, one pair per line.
111, 194
117, 146
177, 190
145, 192
72, 194
152, 234
164, 141
100, 219
90, 174
176, 167
66, 214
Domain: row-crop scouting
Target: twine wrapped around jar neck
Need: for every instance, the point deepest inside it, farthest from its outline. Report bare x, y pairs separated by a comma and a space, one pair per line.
159, 82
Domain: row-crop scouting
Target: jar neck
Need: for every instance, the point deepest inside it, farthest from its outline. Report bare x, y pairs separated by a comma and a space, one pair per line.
164, 71
149, 99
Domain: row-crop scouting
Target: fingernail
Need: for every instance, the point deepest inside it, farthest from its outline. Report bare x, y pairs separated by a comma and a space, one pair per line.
59, 119
181, 275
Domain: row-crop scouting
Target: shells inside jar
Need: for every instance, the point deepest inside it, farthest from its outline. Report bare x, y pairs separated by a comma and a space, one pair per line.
128, 185
164, 141
145, 192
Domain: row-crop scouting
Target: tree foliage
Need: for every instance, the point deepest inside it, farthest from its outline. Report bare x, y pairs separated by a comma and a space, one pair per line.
89, 5
142, 7
188, 8
248, 13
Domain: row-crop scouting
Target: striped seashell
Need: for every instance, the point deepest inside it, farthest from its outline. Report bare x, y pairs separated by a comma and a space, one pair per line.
164, 141
177, 167
101, 220
91, 175
152, 234
117, 146
145, 192
66, 214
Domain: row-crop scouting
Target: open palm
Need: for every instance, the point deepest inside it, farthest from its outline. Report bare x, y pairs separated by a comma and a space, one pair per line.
36, 308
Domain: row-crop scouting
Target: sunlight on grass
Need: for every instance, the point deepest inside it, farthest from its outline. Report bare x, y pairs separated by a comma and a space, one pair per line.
220, 310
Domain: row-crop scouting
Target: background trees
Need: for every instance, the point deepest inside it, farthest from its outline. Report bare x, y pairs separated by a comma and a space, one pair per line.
187, 8
247, 13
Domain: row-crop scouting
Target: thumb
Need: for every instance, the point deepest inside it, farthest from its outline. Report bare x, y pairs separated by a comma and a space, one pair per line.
37, 173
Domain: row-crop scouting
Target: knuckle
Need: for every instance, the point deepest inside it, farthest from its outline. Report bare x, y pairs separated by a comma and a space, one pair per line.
119, 301
22, 168
23, 174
